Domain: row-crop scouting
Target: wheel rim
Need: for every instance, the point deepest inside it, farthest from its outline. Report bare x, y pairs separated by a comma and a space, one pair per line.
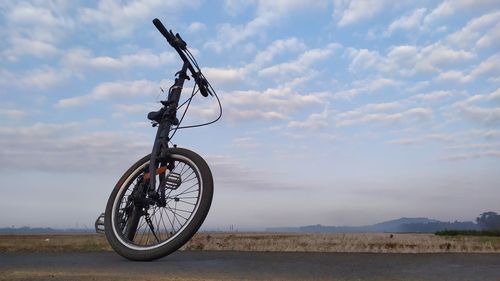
169, 221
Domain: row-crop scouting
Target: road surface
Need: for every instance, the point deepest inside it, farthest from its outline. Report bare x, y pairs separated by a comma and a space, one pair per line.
203, 265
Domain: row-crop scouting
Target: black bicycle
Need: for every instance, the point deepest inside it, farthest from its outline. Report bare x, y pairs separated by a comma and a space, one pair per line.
162, 200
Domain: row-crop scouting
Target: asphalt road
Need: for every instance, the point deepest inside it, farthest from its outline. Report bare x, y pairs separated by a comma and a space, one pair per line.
198, 265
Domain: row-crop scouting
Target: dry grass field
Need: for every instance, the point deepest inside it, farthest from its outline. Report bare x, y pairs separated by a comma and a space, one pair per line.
288, 242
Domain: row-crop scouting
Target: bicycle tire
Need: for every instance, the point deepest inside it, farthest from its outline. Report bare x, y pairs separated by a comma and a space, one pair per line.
133, 250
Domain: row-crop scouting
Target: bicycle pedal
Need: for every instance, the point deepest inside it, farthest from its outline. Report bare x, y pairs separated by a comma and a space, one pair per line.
99, 224
173, 181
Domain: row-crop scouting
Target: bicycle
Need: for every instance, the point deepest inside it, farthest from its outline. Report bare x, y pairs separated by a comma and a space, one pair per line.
161, 201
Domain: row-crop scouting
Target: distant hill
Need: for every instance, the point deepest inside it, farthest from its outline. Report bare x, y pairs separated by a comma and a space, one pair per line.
423, 225
45, 230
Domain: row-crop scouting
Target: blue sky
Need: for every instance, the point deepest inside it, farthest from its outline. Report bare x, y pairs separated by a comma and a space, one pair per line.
335, 112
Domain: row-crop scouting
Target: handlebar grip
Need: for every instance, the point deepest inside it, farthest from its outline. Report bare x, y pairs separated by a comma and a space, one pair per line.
203, 91
162, 29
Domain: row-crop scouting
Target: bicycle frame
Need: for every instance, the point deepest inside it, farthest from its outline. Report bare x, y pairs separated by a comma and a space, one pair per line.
166, 122
165, 196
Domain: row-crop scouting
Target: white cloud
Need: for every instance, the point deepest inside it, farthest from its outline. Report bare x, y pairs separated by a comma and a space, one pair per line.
267, 14
33, 30
407, 60
37, 22
363, 59
21, 46
277, 47
12, 113
271, 104
80, 59
120, 19
225, 76
301, 64
247, 143
490, 67
232, 76
437, 95
364, 116
136, 108
353, 11
483, 115
450, 7
235, 7
314, 121
491, 37
474, 155
370, 85
478, 108
57, 148
487, 69
482, 32
455, 76
196, 27
41, 78
409, 22
121, 89
436, 56
402, 59
375, 84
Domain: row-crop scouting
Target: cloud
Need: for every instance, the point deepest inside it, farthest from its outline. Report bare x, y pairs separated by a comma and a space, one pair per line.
480, 32
490, 67
21, 46
246, 143
119, 19
235, 75
12, 113
473, 155
370, 85
232, 173
484, 115
33, 30
314, 121
487, 69
354, 11
42, 78
267, 14
437, 95
272, 104
301, 64
363, 59
110, 90
277, 47
57, 148
81, 59
490, 38
363, 116
225, 76
479, 109
407, 60
235, 7
196, 27
455, 76
450, 7
435, 57
409, 22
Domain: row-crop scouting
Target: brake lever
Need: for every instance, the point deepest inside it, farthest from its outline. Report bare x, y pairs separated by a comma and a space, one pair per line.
181, 43
202, 84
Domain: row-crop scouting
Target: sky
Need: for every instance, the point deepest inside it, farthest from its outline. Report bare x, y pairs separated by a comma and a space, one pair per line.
335, 112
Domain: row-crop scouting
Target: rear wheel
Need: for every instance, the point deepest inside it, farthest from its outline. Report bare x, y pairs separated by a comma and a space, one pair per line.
143, 223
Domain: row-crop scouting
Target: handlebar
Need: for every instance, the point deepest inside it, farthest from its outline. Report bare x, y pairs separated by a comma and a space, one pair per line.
162, 30
180, 46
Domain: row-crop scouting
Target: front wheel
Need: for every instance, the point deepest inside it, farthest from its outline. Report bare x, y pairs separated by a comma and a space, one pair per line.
144, 223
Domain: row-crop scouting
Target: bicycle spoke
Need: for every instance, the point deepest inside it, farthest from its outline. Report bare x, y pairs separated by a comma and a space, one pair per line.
162, 223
